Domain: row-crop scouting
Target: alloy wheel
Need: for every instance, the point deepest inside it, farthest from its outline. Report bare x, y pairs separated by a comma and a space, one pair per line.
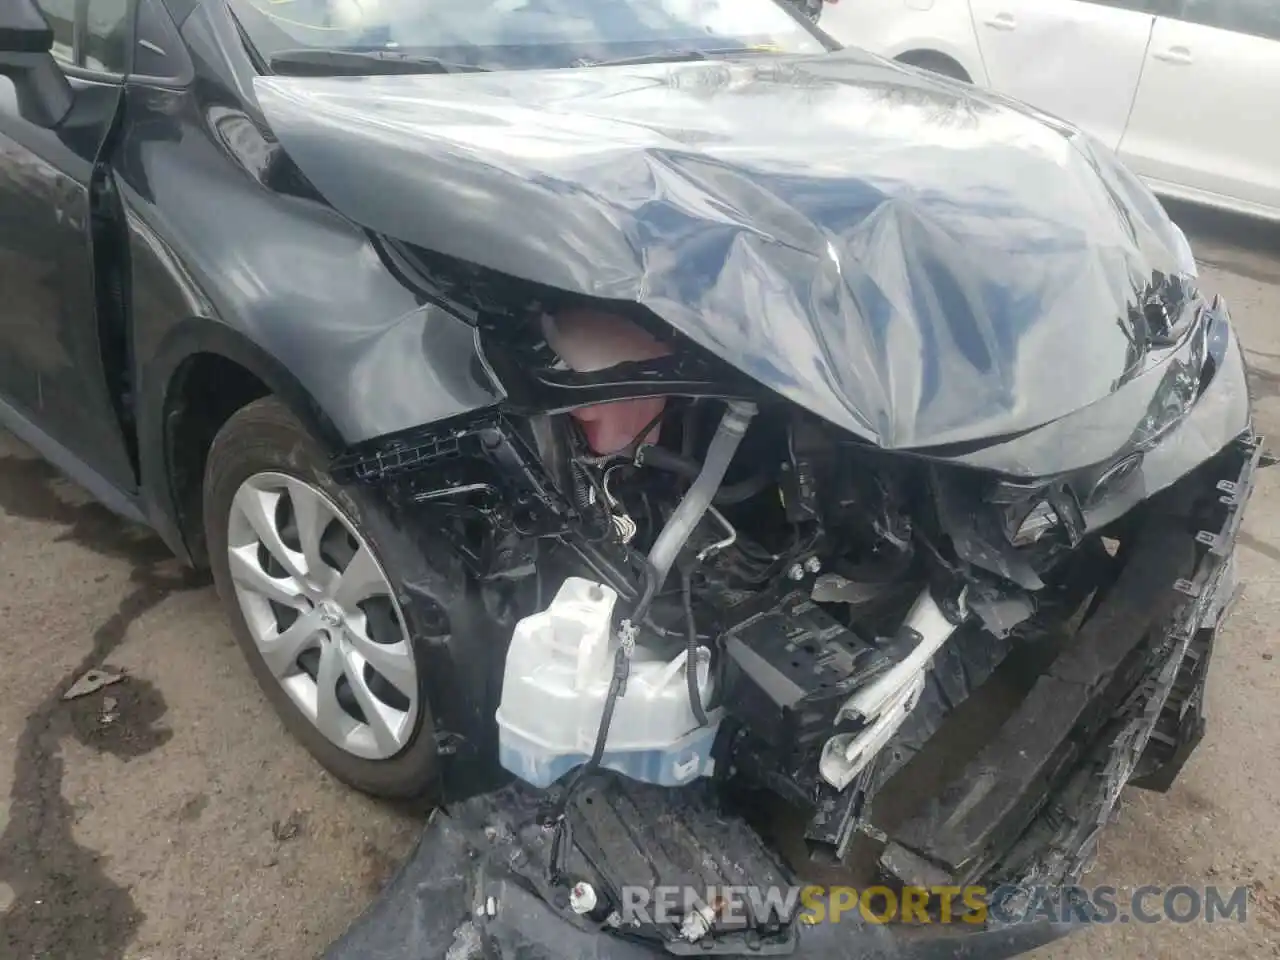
322, 614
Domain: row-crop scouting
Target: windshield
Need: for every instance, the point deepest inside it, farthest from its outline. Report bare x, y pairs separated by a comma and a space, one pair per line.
524, 34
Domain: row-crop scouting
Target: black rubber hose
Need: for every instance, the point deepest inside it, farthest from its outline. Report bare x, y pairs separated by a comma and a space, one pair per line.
561, 838
691, 652
621, 670
647, 593
660, 458
617, 685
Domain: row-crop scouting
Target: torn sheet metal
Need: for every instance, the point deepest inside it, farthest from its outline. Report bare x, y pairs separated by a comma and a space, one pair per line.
917, 261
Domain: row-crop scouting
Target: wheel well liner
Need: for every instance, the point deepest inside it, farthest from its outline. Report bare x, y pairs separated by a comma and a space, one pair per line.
206, 392
203, 373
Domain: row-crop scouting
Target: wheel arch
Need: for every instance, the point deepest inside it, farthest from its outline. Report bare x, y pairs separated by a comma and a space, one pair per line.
202, 373
937, 61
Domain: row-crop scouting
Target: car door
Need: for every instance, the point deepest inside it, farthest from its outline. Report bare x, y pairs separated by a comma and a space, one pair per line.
52, 336
1206, 122
1077, 59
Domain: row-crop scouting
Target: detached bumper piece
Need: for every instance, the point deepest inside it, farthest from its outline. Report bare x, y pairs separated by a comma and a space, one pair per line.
1122, 703
474, 888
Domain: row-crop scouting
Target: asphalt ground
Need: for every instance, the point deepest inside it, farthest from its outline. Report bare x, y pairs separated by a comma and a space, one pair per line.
168, 815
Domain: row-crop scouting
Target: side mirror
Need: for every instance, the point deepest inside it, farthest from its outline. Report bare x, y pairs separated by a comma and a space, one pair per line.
44, 95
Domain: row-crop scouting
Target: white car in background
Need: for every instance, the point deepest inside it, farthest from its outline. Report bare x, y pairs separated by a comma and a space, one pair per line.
1186, 91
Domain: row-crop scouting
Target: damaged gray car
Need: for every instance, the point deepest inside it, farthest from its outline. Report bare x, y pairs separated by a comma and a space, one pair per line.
696, 456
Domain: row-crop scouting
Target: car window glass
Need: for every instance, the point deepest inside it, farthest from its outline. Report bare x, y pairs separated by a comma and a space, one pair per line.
107, 36
518, 34
1258, 17
61, 16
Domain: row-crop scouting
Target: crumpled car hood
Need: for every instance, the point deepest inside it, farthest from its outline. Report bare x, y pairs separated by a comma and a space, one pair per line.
918, 262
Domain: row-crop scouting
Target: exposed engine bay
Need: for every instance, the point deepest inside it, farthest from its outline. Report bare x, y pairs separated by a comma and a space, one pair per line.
700, 586
800, 479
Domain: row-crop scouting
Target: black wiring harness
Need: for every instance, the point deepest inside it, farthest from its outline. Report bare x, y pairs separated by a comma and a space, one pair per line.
627, 631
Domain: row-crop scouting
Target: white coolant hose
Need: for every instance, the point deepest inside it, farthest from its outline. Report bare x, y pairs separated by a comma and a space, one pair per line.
733, 425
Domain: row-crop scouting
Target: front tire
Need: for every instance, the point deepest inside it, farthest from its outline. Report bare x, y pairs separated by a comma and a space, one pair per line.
306, 570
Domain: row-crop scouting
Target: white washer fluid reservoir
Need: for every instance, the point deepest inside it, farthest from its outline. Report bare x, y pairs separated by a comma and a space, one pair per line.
557, 677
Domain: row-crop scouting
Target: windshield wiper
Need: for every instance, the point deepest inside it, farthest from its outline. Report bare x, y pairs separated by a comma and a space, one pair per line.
318, 62
675, 56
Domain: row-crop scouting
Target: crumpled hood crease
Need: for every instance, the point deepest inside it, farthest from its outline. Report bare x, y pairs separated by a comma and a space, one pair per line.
918, 262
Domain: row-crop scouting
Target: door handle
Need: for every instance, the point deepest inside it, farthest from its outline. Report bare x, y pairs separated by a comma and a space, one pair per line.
1002, 21
1180, 55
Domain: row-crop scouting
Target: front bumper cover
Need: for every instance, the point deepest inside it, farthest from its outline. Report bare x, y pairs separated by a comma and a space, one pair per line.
461, 895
